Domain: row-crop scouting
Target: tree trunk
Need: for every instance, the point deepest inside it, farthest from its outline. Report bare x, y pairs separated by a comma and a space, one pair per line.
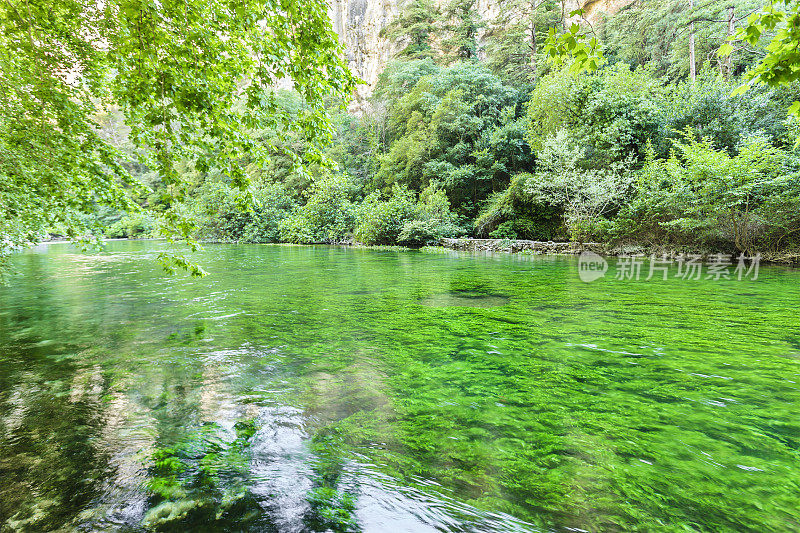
692, 62
728, 62
533, 34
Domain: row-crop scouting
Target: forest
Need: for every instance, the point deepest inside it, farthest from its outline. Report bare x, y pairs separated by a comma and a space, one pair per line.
472, 131
637, 131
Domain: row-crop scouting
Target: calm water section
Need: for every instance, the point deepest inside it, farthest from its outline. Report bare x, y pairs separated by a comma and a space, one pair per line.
324, 388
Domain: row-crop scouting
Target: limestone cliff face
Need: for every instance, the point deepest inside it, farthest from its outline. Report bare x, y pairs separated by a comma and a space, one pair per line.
359, 23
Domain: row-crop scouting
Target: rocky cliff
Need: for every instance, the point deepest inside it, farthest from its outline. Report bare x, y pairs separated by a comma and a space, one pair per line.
359, 23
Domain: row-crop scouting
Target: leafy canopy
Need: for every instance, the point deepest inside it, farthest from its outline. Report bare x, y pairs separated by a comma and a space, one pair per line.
781, 64
194, 80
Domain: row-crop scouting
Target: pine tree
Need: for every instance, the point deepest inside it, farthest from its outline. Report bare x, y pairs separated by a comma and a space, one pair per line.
516, 35
462, 28
417, 26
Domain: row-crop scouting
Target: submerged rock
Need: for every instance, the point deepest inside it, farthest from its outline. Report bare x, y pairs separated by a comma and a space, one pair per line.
234, 509
169, 513
465, 299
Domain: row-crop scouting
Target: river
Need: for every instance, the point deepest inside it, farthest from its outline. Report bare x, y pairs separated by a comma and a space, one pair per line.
326, 388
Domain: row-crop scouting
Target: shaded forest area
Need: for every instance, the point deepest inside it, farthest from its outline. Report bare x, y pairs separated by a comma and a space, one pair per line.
486, 137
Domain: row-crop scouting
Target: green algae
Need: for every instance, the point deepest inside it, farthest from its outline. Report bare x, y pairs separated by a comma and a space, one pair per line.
611, 406
202, 480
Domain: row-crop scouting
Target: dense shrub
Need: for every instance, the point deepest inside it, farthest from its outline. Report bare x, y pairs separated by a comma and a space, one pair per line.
514, 214
131, 226
380, 221
327, 217
432, 221
224, 213
585, 196
709, 109
401, 218
704, 195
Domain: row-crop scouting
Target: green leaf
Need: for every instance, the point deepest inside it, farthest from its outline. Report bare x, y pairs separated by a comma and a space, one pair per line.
725, 50
740, 90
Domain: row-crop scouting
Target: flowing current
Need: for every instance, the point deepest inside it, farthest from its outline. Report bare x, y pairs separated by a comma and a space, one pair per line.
339, 389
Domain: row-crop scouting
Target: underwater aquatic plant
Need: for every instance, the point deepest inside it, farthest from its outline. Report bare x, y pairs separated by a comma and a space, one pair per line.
202, 479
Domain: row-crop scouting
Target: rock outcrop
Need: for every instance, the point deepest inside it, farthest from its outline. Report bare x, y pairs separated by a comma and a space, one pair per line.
535, 247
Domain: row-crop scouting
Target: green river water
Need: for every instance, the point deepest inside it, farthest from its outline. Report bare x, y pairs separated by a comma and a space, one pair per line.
324, 388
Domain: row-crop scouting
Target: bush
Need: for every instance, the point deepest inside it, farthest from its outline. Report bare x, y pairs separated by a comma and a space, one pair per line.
514, 214
381, 221
781, 218
708, 108
402, 219
224, 213
526, 228
327, 217
131, 226
433, 220
704, 196
586, 197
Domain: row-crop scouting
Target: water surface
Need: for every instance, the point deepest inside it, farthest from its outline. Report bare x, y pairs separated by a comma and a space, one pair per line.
321, 388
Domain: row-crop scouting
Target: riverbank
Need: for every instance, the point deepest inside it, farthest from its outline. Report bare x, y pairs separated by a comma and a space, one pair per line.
468, 244
576, 248
520, 245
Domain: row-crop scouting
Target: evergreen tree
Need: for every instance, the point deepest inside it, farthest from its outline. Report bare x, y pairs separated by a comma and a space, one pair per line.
462, 28
416, 26
516, 35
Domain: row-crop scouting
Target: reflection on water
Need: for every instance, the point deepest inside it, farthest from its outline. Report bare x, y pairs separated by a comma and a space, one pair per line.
316, 389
